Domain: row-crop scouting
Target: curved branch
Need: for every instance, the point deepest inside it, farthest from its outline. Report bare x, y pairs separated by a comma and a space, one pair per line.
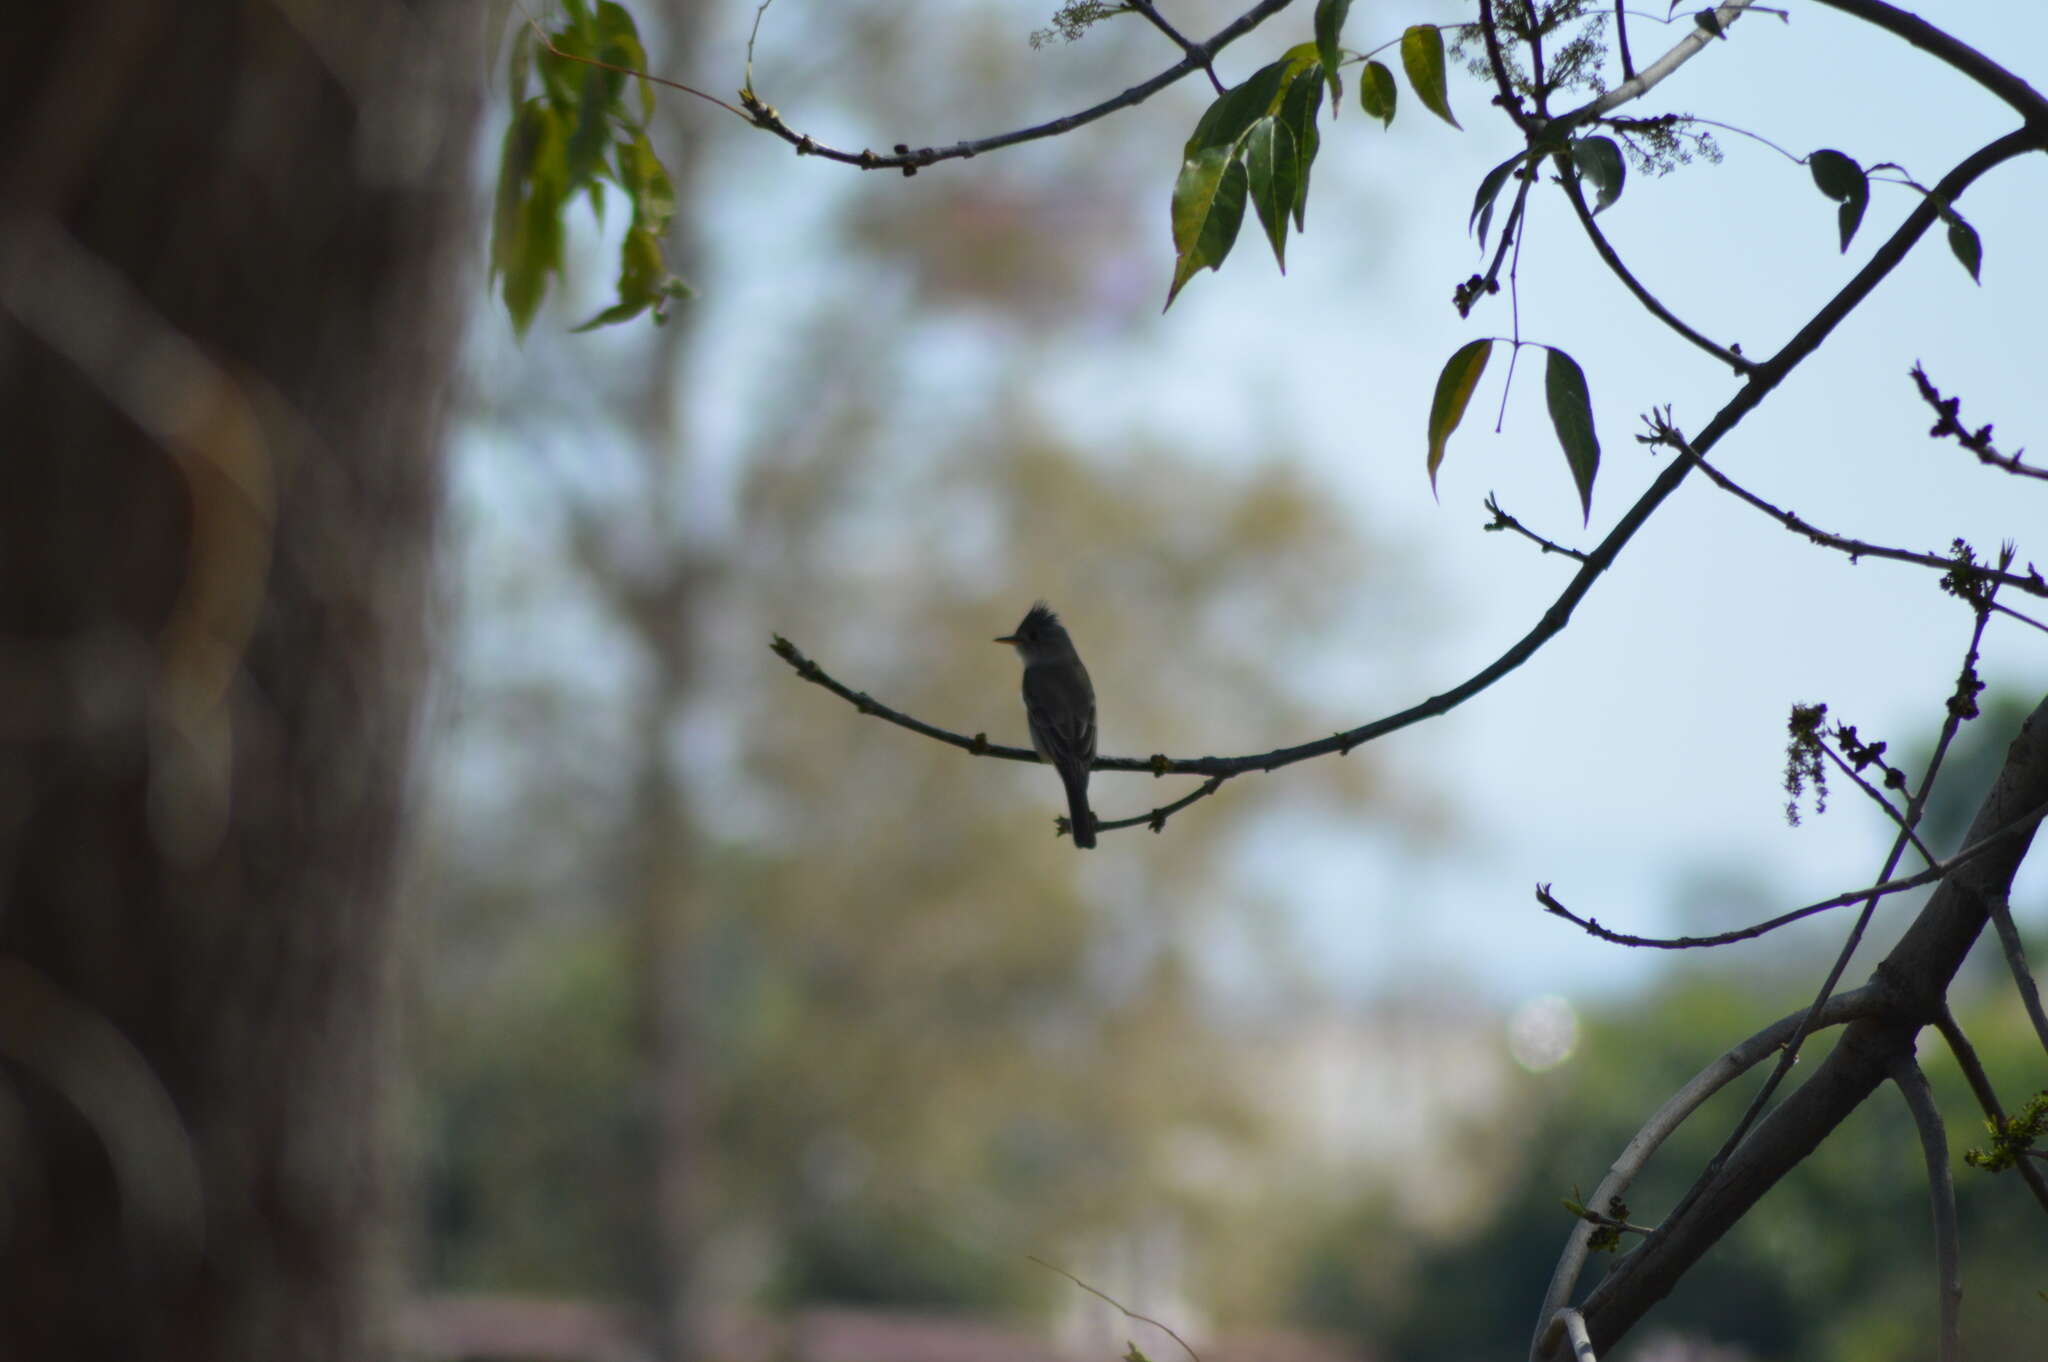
1592, 927
1635, 1155
1612, 258
2024, 98
1503, 521
1665, 433
1987, 1098
1941, 1191
1199, 58
2016, 960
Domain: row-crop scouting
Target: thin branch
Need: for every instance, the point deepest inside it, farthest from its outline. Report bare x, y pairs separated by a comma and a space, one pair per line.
2016, 959
1151, 15
1663, 432
1941, 1192
1947, 411
2024, 98
1987, 1098
1733, 358
1125, 1310
554, 51
1591, 926
1891, 811
1683, 51
1628, 65
2001, 608
1730, 1065
1503, 521
764, 116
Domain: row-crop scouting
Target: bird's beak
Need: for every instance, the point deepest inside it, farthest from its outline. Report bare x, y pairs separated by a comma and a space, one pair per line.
1007, 638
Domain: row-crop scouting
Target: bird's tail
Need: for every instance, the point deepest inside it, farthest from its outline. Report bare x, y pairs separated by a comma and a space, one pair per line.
1077, 809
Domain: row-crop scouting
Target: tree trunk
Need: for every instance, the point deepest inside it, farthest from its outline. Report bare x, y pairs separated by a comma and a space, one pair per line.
226, 322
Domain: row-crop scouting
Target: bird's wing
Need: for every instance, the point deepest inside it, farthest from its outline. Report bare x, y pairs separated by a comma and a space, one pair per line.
1061, 707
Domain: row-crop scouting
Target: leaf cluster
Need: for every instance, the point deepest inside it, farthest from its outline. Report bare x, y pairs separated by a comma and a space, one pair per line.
570, 138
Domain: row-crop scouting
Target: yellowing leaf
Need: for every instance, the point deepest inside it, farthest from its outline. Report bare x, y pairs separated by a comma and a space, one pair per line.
1453, 392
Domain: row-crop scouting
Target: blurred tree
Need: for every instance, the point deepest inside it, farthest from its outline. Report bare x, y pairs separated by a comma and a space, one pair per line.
225, 333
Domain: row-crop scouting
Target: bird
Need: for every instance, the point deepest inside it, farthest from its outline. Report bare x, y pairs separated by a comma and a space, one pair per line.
1059, 702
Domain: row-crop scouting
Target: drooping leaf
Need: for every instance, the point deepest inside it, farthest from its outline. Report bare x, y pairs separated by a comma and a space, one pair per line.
1422, 57
1208, 207
1841, 179
1273, 170
1329, 28
1376, 92
620, 43
1453, 391
1237, 108
1571, 416
1598, 159
1298, 109
1489, 190
592, 134
1963, 241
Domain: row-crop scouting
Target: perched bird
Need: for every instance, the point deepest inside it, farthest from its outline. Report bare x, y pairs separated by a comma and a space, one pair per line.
1060, 703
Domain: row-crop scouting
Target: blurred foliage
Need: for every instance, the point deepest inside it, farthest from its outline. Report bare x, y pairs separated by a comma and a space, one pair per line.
1836, 1265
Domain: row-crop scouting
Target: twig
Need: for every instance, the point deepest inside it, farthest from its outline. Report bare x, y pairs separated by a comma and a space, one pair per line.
764, 116
1987, 1098
1591, 926
554, 51
1503, 521
1941, 1192
1683, 51
1947, 410
1612, 258
1877, 797
1665, 433
2001, 608
2016, 960
2024, 98
1194, 50
1126, 1311
1628, 66
1730, 1065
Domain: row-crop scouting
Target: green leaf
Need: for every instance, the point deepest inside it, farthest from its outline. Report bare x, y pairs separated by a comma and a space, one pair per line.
588, 142
1963, 241
1237, 108
1208, 207
1841, 179
620, 40
1489, 190
1422, 57
1598, 159
1273, 169
1376, 91
1298, 109
1571, 416
1453, 391
1329, 28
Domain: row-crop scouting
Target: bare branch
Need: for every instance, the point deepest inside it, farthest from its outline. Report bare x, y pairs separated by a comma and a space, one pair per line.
1877, 797
1663, 432
1591, 926
1503, 521
1581, 1341
2016, 959
1152, 16
1941, 1192
1683, 51
1635, 1156
2024, 98
1729, 356
764, 116
1947, 410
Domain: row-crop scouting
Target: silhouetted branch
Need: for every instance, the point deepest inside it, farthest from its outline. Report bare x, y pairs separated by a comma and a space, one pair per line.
1503, 521
2024, 98
1199, 58
1664, 433
1978, 442
1152, 16
1591, 926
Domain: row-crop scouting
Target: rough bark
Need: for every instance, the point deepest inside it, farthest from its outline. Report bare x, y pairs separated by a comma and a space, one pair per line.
226, 324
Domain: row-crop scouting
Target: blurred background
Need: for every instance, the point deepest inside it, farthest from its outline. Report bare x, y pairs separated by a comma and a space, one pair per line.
718, 976
735, 1025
